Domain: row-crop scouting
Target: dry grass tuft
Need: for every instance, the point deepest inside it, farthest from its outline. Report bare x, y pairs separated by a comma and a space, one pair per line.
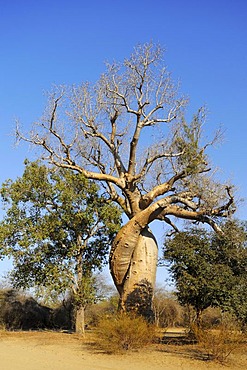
123, 332
220, 343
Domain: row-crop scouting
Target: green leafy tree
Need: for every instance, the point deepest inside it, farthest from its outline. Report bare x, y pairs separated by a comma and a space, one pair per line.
231, 249
57, 229
128, 131
208, 268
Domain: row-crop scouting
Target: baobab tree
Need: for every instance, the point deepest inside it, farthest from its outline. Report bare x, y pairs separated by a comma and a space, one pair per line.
129, 132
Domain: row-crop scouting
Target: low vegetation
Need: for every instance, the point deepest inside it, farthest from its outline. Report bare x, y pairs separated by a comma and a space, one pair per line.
19, 311
219, 343
218, 338
124, 332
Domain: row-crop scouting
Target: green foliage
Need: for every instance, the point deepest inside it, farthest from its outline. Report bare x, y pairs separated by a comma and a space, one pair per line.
194, 159
124, 332
208, 269
238, 304
232, 251
57, 228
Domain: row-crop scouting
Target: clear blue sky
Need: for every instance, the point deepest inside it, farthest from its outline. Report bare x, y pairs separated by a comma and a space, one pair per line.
55, 42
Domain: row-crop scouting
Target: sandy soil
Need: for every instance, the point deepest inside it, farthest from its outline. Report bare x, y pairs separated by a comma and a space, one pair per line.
60, 351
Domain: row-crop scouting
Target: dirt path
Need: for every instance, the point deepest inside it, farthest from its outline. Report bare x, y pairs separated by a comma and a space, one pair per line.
56, 351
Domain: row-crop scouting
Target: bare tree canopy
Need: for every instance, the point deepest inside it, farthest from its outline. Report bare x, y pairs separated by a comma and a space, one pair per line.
129, 131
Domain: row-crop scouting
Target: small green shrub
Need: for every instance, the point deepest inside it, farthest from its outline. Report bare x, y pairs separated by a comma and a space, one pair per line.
124, 332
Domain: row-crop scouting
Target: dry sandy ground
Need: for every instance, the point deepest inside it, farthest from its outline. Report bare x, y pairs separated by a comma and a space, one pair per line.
57, 351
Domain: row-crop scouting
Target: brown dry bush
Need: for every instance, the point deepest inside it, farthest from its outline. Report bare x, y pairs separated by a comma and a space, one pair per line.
18, 311
95, 312
21, 312
123, 332
168, 312
219, 343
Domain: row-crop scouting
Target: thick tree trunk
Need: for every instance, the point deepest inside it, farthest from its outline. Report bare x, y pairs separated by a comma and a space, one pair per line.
133, 267
80, 320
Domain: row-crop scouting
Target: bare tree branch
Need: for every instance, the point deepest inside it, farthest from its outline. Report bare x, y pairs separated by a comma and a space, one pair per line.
103, 136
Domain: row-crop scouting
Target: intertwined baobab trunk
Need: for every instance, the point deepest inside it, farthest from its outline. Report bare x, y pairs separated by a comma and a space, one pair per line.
129, 132
133, 265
